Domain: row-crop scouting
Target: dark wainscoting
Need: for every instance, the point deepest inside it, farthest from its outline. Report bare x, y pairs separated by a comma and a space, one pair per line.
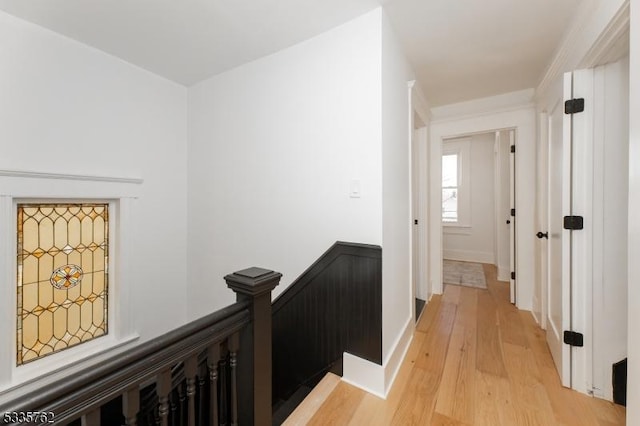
335, 306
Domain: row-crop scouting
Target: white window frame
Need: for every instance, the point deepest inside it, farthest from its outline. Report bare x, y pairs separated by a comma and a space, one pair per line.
33, 187
461, 148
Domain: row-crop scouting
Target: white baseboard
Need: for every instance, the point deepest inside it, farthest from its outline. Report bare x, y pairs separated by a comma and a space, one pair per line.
503, 273
468, 256
536, 318
374, 378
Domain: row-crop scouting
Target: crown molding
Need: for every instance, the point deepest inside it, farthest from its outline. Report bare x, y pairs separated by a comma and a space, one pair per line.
617, 28
598, 25
505, 102
569, 45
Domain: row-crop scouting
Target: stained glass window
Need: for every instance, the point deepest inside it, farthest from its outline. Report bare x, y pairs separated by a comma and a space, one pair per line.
62, 282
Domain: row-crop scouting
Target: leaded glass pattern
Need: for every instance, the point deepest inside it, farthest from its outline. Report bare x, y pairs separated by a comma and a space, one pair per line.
62, 280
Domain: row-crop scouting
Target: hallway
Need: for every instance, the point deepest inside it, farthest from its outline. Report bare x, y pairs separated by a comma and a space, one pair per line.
474, 360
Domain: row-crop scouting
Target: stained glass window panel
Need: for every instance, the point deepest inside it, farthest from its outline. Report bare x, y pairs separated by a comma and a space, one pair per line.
62, 277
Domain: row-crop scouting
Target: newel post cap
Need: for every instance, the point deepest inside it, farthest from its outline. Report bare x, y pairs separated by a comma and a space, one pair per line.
253, 281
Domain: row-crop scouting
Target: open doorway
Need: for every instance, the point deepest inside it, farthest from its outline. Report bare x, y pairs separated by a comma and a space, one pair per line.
478, 215
522, 121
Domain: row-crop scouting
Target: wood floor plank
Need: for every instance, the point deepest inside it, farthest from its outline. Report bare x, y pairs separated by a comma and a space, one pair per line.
494, 405
434, 348
467, 312
377, 411
451, 294
339, 407
456, 396
489, 351
418, 400
442, 420
511, 327
607, 412
305, 411
530, 399
430, 313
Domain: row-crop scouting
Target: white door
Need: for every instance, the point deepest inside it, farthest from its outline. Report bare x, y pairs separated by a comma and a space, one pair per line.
540, 305
559, 197
512, 225
415, 214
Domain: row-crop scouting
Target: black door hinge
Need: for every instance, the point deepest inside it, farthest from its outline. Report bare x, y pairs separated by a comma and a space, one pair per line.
574, 106
513, 148
573, 223
573, 338
513, 275
415, 222
513, 212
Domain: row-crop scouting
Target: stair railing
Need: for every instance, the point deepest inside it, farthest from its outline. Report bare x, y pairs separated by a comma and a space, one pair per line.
224, 360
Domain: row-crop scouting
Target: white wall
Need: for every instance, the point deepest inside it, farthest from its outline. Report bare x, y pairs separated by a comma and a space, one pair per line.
273, 147
477, 242
633, 377
68, 108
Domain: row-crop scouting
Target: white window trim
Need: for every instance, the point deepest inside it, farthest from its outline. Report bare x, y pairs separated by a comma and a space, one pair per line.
121, 194
462, 148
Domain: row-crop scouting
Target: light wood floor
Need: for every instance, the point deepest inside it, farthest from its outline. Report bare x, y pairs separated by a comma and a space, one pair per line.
475, 360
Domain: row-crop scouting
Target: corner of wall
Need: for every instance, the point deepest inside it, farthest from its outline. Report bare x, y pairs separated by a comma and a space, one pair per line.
378, 379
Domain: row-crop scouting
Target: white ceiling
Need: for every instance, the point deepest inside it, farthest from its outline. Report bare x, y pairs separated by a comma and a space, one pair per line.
467, 49
461, 49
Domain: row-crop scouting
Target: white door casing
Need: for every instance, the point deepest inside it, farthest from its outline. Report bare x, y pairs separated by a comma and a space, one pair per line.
502, 206
558, 302
540, 293
512, 225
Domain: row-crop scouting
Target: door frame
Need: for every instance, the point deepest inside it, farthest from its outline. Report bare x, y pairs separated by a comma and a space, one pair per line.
523, 121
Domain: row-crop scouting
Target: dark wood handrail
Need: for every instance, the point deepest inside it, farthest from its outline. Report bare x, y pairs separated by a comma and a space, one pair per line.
96, 385
84, 393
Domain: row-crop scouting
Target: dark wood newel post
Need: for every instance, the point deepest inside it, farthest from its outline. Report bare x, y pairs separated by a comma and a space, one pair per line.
254, 285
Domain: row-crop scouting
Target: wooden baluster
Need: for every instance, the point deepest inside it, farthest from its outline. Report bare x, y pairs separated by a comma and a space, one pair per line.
213, 357
182, 405
202, 372
92, 418
224, 408
234, 345
174, 409
163, 388
190, 370
131, 405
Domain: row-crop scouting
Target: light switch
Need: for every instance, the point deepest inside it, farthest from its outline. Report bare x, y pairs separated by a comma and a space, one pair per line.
355, 189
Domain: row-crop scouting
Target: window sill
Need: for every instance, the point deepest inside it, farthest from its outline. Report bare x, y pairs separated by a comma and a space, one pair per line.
66, 362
